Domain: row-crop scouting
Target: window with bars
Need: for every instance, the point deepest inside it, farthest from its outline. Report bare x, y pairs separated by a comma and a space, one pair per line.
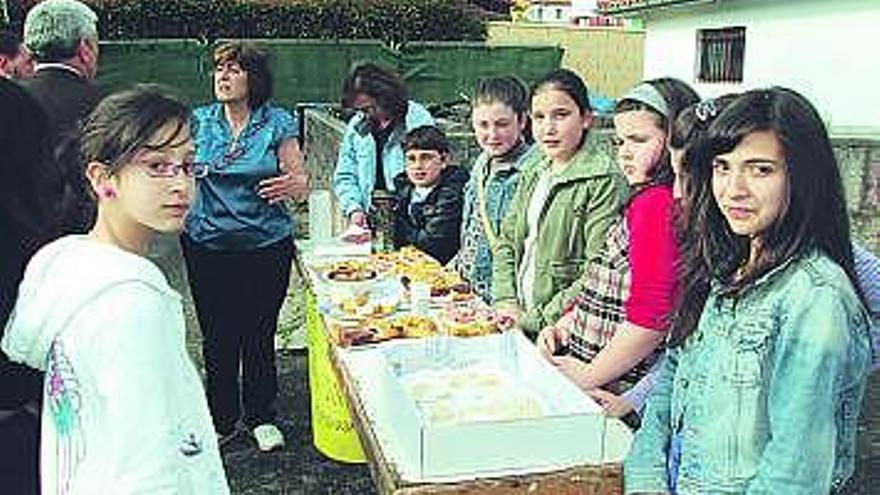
721, 53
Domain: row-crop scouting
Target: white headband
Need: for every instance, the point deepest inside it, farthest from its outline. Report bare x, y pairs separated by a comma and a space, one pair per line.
647, 94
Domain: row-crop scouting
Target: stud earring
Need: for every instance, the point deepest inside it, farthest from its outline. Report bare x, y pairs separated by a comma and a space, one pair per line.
108, 192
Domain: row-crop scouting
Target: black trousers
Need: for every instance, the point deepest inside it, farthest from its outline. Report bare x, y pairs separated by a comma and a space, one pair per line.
20, 454
238, 295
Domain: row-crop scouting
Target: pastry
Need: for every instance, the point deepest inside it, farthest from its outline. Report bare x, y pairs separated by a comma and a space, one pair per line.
351, 271
417, 326
354, 305
467, 320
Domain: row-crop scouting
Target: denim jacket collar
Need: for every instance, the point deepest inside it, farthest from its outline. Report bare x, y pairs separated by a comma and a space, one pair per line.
717, 285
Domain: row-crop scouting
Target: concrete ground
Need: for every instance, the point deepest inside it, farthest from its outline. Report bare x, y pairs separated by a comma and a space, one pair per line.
299, 469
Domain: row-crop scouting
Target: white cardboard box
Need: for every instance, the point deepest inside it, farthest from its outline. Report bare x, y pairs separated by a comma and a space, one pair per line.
569, 431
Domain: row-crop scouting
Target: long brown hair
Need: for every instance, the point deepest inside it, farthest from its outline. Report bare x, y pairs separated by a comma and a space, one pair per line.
815, 218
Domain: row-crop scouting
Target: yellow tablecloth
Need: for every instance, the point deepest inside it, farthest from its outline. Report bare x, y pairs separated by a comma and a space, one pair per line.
332, 426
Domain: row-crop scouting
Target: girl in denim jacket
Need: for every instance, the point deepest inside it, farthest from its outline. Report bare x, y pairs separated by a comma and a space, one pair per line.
499, 117
761, 387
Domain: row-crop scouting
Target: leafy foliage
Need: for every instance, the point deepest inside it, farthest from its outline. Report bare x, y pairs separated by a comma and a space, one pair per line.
395, 21
496, 6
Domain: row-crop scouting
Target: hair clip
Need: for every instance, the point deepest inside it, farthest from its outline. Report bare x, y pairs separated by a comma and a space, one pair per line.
706, 110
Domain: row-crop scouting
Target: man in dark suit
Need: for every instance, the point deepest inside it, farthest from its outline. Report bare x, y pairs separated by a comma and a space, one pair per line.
62, 36
27, 216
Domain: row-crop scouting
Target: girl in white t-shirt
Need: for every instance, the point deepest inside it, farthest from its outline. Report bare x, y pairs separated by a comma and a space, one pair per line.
124, 409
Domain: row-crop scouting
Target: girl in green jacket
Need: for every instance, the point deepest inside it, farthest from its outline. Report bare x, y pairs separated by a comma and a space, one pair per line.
568, 194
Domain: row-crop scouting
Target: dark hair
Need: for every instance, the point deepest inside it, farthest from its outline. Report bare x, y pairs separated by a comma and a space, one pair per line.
10, 43
125, 122
379, 83
688, 127
426, 137
254, 62
815, 215
507, 90
677, 94
569, 83
693, 120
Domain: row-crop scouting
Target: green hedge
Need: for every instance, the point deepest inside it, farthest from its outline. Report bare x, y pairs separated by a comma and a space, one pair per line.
393, 21
313, 70
15, 10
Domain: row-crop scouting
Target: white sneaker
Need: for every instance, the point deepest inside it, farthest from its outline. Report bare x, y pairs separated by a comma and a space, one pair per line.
268, 437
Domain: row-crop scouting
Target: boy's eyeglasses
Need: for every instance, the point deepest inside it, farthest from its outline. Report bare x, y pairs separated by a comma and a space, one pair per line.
169, 169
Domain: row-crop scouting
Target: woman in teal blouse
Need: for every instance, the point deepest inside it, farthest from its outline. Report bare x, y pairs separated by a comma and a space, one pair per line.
238, 244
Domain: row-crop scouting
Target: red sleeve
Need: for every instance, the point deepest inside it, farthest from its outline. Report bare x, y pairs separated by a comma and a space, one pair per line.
653, 258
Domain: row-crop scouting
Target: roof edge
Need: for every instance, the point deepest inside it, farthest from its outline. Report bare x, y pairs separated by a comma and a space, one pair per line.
626, 7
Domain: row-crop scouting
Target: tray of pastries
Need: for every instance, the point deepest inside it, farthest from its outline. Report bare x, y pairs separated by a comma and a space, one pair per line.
444, 287
411, 262
374, 330
473, 394
451, 290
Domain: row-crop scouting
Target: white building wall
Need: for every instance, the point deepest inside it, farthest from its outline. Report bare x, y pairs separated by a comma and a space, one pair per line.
556, 13
827, 50
583, 7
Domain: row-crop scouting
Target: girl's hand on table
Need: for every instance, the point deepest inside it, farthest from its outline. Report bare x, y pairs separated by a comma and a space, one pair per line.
614, 405
507, 316
575, 370
551, 341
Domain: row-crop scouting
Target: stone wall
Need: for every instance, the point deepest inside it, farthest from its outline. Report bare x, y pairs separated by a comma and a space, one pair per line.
860, 167
322, 135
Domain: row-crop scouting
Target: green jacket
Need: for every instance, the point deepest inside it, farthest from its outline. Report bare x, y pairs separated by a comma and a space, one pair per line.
587, 196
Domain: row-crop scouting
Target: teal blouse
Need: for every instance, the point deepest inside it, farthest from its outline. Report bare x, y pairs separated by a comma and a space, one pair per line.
227, 213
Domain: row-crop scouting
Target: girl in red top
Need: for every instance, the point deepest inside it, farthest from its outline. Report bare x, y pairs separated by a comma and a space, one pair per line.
608, 338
